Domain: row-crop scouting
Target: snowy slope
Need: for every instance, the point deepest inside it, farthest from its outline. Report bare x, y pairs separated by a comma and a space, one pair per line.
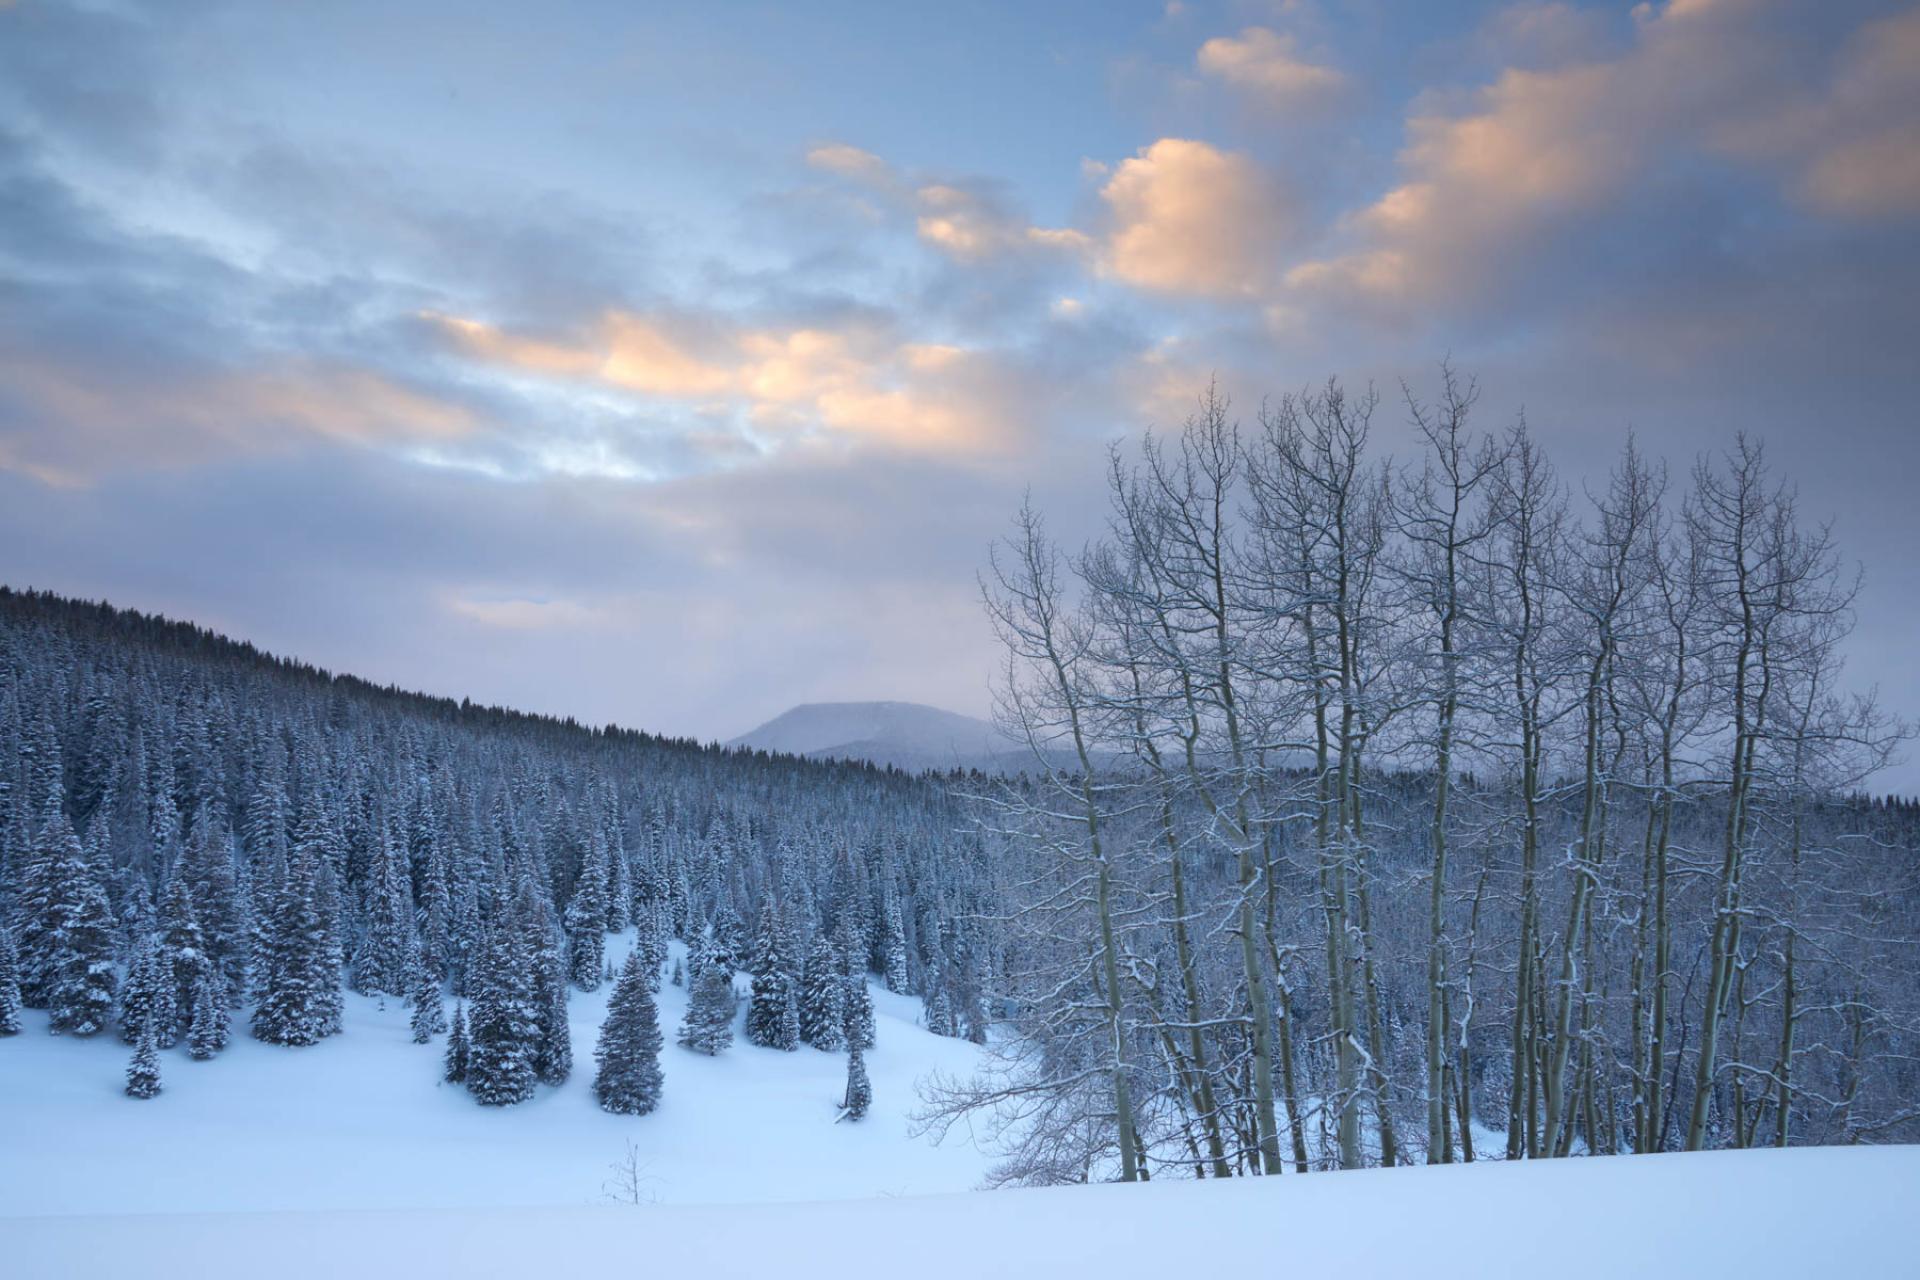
905, 734
1750, 1214
360, 1121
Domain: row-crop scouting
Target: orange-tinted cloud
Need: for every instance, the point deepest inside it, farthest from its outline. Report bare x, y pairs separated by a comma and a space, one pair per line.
1190, 218
1268, 65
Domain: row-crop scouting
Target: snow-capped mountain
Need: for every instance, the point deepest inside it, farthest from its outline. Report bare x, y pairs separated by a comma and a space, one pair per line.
907, 735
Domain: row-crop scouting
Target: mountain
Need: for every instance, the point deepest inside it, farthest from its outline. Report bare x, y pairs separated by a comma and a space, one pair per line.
906, 735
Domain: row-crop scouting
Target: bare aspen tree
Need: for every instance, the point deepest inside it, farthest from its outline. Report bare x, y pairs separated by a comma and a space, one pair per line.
1437, 525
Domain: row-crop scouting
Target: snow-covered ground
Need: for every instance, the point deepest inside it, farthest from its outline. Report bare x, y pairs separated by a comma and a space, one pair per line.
1750, 1214
361, 1121
349, 1159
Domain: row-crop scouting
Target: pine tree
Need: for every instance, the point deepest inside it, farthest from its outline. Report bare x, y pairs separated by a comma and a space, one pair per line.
429, 1015
183, 955
857, 1005
454, 1070
767, 1022
896, 947
80, 1001
586, 918
295, 1007
553, 1045
940, 1014
505, 1025
859, 1095
628, 1077
147, 999
209, 1031
9, 986
385, 956
39, 907
224, 913
143, 1073
708, 1026
822, 1000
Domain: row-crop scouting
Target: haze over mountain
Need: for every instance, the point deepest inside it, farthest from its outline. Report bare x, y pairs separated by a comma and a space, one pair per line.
907, 735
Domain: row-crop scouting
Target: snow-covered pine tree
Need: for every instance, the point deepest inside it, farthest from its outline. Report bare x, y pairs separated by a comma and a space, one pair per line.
627, 1057
553, 1045
80, 1000
429, 1015
857, 1012
39, 905
295, 1006
939, 1017
147, 998
454, 1067
859, 1095
708, 1026
505, 1026
9, 985
822, 999
183, 956
208, 1030
896, 946
224, 913
385, 956
143, 1072
586, 917
768, 1014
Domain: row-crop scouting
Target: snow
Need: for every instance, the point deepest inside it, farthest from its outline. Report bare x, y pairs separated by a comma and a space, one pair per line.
350, 1158
360, 1121
1831, 1211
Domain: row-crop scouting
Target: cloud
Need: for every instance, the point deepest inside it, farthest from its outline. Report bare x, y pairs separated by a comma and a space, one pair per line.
856, 384
1853, 144
1536, 155
851, 162
1268, 65
1189, 218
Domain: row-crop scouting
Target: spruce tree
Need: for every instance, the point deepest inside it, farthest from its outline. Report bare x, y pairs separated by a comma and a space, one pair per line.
586, 918
553, 1043
143, 1072
147, 999
9, 985
858, 1012
80, 1001
940, 1014
429, 1015
767, 1015
208, 1032
859, 1095
505, 1024
385, 956
627, 1058
822, 1000
454, 1068
40, 903
296, 1005
708, 1026
183, 957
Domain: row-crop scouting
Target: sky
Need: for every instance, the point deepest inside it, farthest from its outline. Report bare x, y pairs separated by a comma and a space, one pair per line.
672, 365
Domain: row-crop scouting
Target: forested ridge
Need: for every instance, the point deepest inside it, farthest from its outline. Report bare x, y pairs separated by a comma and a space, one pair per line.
196, 837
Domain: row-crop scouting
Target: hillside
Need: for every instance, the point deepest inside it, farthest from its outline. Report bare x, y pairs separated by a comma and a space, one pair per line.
362, 1121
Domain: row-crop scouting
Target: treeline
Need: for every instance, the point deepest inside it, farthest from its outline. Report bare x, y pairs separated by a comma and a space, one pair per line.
1433, 811
196, 838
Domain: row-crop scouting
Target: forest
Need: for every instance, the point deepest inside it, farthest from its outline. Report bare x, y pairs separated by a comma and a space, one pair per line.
1378, 812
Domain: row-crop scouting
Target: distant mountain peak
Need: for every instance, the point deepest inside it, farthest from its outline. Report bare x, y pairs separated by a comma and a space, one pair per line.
907, 735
